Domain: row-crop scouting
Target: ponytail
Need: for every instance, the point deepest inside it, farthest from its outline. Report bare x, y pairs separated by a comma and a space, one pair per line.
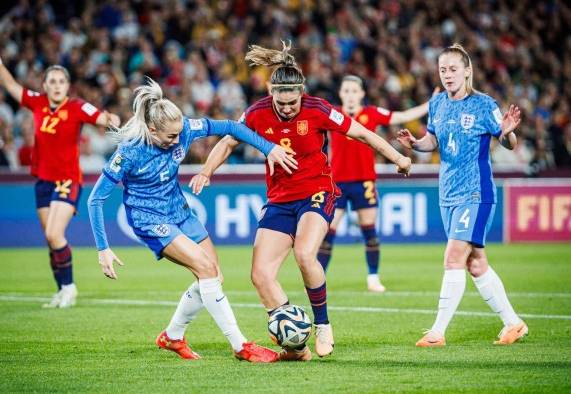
150, 109
287, 76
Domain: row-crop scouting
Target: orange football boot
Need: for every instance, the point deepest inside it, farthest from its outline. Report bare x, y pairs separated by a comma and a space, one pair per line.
256, 354
179, 346
511, 334
431, 339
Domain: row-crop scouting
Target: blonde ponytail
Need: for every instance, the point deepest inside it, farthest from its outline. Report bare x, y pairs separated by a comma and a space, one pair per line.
149, 109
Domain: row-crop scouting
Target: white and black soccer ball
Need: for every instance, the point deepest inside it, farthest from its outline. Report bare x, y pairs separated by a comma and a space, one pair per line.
289, 326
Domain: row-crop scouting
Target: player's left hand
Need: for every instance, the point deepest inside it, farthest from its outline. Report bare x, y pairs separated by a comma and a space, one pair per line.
106, 259
198, 182
511, 120
283, 158
403, 165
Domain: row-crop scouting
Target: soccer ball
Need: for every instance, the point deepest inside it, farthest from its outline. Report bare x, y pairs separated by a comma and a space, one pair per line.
289, 326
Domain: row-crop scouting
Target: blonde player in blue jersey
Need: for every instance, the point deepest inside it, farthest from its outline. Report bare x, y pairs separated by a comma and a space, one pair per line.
154, 142
461, 123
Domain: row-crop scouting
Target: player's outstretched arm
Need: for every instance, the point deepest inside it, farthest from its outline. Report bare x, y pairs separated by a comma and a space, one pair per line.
217, 156
510, 121
400, 117
359, 132
428, 143
10, 84
99, 194
107, 119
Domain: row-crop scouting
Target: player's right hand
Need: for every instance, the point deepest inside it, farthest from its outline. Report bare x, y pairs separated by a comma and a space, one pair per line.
283, 158
403, 165
106, 259
198, 182
406, 139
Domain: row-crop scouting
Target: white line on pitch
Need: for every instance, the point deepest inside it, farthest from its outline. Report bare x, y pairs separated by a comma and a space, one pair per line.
365, 309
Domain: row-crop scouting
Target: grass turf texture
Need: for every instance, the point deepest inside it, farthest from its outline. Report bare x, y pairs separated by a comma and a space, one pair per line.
102, 347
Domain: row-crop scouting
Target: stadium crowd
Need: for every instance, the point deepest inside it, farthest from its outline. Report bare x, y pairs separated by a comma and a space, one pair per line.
195, 49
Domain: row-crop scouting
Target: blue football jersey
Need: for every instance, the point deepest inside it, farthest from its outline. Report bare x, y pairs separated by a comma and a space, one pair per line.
464, 129
152, 194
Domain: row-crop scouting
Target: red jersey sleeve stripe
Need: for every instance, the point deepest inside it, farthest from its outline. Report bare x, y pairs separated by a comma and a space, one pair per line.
321, 107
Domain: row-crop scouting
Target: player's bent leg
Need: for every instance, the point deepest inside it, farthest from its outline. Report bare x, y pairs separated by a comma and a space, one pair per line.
184, 251
310, 231
492, 290
270, 250
59, 215
367, 219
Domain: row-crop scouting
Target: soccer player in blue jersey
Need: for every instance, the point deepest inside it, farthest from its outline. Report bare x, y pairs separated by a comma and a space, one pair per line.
154, 142
461, 123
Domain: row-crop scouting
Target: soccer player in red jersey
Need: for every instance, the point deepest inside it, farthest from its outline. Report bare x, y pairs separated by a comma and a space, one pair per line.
301, 205
55, 162
357, 181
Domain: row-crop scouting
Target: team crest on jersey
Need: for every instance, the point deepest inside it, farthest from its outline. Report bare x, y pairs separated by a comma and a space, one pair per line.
302, 127
195, 124
162, 230
467, 121
178, 154
363, 118
115, 165
63, 114
336, 116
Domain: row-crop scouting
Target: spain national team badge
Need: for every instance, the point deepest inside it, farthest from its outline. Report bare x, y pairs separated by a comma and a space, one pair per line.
63, 115
467, 121
363, 119
302, 127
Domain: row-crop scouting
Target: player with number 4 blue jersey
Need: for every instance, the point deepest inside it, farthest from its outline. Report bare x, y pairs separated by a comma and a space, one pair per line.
154, 142
461, 124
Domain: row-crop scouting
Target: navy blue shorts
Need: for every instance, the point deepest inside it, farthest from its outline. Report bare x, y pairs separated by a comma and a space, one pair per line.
48, 191
283, 217
159, 236
361, 195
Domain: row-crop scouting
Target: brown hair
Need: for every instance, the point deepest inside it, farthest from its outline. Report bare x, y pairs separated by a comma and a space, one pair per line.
287, 76
57, 67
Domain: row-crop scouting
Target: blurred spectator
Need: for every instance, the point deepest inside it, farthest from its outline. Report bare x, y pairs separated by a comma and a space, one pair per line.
196, 50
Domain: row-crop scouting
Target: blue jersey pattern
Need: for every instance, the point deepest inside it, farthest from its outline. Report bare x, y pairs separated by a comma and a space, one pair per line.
464, 129
152, 194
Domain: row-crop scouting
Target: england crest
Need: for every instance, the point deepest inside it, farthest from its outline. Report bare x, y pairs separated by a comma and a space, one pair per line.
178, 154
467, 121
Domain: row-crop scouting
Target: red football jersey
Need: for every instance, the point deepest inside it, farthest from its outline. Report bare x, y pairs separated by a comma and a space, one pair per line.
352, 160
305, 134
56, 147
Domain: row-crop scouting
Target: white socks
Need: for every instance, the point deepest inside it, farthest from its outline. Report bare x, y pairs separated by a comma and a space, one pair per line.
453, 285
188, 307
216, 302
492, 291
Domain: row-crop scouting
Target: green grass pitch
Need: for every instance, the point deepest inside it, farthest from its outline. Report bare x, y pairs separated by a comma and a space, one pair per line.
106, 343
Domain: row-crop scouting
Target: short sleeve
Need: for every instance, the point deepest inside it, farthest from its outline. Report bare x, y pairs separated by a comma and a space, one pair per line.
118, 165
430, 124
32, 100
382, 116
332, 119
87, 113
493, 117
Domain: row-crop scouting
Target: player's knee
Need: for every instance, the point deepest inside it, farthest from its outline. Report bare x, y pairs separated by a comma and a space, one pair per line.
304, 256
454, 260
373, 243
477, 267
260, 278
205, 268
55, 239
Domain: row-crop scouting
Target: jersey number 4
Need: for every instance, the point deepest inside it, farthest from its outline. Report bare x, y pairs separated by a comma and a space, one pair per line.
49, 124
451, 143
